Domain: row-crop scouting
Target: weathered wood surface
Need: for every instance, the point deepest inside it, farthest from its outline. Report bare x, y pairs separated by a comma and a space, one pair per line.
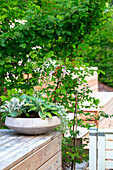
19, 152
60, 168
53, 163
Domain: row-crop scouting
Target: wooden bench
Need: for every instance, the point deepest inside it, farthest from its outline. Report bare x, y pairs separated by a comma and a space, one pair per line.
20, 152
106, 101
106, 105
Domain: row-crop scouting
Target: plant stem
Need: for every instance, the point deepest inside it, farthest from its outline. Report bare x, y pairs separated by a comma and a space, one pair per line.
75, 130
54, 100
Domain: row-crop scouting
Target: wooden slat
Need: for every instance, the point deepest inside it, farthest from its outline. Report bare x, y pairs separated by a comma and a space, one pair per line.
38, 158
60, 168
13, 144
109, 164
108, 106
101, 151
109, 136
109, 155
93, 149
53, 163
106, 131
4, 132
26, 149
109, 145
7, 138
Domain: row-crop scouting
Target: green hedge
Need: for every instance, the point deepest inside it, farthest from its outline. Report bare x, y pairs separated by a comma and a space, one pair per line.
58, 27
100, 50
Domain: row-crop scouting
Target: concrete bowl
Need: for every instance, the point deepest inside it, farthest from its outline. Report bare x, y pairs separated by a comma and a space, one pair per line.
32, 126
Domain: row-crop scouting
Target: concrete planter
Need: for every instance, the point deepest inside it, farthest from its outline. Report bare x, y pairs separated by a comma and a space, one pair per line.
32, 126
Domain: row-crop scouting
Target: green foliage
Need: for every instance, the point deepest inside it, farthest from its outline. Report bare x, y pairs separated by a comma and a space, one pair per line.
57, 27
58, 30
71, 91
12, 49
26, 106
69, 152
101, 50
12, 108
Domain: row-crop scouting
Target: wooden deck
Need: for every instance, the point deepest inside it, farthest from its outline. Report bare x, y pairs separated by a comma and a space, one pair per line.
20, 152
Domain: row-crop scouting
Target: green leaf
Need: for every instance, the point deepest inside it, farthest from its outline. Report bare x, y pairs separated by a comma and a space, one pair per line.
23, 45
32, 33
3, 42
27, 114
32, 109
42, 115
2, 62
63, 91
56, 113
58, 32
48, 114
0, 54
57, 90
28, 104
14, 114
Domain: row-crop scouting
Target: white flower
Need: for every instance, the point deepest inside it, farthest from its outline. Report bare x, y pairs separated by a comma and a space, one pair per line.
34, 48
21, 21
12, 26
65, 72
51, 72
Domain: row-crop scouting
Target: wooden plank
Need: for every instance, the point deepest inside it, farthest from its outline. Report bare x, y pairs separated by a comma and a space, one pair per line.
107, 131
109, 155
60, 168
109, 136
109, 164
108, 107
109, 145
38, 158
105, 99
26, 149
101, 151
7, 138
13, 144
4, 132
53, 163
93, 149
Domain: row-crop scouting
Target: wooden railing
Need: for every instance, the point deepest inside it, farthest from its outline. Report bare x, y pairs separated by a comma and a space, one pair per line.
100, 149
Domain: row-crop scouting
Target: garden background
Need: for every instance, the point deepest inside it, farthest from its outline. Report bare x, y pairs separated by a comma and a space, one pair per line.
68, 33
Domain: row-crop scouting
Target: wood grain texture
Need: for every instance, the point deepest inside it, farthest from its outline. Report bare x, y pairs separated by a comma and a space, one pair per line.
60, 168
21, 147
53, 163
7, 138
13, 144
41, 156
5, 131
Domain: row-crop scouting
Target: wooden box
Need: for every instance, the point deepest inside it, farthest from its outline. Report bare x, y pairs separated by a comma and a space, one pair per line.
20, 152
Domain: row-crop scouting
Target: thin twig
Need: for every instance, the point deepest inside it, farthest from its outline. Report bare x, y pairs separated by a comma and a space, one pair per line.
75, 130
